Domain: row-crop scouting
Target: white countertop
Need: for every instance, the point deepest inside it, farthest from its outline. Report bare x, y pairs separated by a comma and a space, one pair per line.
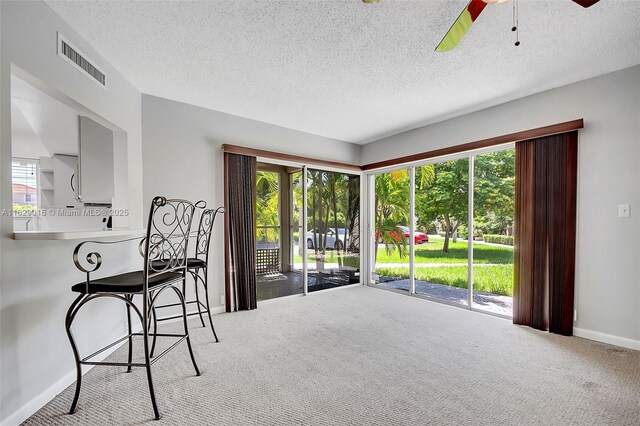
76, 235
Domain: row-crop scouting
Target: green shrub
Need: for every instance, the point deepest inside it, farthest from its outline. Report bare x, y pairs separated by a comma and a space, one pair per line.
498, 239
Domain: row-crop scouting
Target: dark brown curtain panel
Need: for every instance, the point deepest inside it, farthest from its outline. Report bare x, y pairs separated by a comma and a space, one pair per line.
545, 232
240, 198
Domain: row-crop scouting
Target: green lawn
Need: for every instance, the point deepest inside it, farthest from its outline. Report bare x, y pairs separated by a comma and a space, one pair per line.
431, 252
496, 279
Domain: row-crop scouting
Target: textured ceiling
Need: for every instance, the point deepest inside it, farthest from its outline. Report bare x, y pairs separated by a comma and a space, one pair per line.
348, 70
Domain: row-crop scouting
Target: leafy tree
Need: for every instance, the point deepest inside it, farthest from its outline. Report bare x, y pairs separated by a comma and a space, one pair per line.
494, 192
445, 196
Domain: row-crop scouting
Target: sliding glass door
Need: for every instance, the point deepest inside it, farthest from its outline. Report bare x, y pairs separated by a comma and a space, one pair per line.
442, 200
312, 211
276, 238
332, 237
460, 230
391, 248
494, 200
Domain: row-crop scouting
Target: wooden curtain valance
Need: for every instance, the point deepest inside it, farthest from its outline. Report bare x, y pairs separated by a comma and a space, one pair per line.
253, 152
553, 129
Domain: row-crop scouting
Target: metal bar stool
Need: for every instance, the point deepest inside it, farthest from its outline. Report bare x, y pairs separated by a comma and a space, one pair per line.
163, 250
197, 266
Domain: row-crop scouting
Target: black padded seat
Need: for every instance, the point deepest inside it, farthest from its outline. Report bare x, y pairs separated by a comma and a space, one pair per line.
130, 282
192, 262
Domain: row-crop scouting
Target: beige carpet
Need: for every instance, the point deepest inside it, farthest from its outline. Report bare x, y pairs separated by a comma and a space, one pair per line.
363, 356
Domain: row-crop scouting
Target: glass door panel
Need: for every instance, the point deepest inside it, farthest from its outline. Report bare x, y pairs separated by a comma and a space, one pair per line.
392, 237
332, 234
296, 224
275, 238
494, 201
441, 200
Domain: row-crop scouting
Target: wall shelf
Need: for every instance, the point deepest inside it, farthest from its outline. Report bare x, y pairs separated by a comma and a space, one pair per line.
77, 235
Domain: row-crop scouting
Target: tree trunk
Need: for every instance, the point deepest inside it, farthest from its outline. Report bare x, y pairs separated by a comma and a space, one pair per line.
454, 231
447, 233
321, 225
353, 212
378, 223
334, 203
325, 231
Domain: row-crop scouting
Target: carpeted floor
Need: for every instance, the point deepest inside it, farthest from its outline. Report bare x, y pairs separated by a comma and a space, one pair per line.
363, 356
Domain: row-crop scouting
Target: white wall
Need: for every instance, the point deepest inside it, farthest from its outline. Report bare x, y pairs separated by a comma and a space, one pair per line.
182, 157
608, 248
35, 277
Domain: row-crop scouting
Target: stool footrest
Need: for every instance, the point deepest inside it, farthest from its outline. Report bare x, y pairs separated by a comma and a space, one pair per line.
114, 364
180, 316
99, 351
169, 305
163, 353
85, 360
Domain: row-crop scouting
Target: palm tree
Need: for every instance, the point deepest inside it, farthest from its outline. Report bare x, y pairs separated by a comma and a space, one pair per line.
391, 208
267, 205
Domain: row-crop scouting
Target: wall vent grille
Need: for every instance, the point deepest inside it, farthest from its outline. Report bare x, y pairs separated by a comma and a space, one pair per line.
74, 56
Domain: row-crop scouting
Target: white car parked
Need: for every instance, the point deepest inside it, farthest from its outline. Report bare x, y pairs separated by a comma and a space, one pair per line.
333, 241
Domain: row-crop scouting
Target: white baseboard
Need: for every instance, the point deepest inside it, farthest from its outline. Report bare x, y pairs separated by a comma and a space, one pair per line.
218, 310
607, 338
30, 408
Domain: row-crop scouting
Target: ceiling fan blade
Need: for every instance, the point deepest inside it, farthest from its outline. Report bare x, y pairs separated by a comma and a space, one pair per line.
461, 25
586, 3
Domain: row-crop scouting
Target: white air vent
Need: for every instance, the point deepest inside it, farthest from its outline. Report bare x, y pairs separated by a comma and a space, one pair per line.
75, 57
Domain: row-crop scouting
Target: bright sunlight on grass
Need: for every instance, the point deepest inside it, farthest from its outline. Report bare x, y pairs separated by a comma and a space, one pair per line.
493, 275
431, 252
496, 279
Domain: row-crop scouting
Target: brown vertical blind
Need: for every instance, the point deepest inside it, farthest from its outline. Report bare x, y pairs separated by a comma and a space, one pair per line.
545, 232
240, 199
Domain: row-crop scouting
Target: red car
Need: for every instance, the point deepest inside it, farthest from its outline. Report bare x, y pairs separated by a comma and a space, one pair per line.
419, 237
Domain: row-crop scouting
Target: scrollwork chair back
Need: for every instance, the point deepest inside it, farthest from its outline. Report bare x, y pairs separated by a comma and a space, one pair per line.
167, 241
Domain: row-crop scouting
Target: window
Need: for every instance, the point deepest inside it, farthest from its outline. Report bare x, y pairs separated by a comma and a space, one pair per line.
461, 249
24, 184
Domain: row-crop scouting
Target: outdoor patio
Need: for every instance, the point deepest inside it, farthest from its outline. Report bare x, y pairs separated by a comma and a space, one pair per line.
279, 284
497, 304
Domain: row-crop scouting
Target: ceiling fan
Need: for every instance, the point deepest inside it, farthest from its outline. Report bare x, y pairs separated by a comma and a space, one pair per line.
469, 16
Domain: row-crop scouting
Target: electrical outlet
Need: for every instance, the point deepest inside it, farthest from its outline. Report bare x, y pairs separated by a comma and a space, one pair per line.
575, 315
623, 210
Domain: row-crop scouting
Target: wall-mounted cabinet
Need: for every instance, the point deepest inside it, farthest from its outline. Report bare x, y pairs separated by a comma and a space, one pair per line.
95, 163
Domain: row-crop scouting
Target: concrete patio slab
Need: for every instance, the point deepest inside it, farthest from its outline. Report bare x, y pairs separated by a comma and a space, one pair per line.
494, 303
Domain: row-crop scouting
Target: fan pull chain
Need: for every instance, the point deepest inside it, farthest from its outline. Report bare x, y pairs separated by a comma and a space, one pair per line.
515, 22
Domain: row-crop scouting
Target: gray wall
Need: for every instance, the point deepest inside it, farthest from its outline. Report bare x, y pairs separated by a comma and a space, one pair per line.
182, 157
36, 361
608, 271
